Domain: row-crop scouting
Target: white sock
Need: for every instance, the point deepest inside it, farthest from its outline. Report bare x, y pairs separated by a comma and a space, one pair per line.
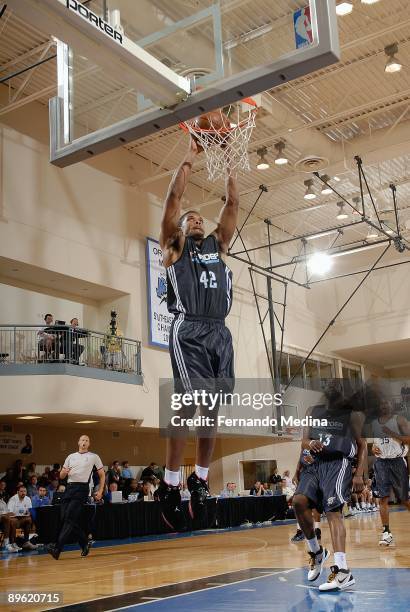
298, 527
171, 478
313, 545
6, 541
317, 524
340, 560
201, 472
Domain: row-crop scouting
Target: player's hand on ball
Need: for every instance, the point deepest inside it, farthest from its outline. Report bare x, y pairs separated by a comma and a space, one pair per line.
376, 450
195, 147
358, 484
315, 446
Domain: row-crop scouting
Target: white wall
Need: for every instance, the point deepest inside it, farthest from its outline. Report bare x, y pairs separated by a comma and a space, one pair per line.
18, 305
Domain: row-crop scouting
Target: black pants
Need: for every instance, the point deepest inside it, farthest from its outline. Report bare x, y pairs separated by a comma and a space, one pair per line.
75, 496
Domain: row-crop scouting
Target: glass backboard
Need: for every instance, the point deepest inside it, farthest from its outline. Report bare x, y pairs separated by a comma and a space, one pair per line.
130, 68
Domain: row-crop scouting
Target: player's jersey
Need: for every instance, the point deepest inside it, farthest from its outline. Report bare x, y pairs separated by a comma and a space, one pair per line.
389, 447
336, 437
199, 284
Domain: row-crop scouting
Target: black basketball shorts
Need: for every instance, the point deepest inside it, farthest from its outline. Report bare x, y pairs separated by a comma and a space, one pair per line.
326, 483
201, 355
391, 474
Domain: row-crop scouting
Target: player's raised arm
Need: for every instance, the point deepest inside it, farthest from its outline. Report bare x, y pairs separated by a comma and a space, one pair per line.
172, 206
229, 215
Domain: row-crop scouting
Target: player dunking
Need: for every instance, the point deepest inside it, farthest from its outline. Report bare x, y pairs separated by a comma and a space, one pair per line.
199, 295
326, 483
391, 432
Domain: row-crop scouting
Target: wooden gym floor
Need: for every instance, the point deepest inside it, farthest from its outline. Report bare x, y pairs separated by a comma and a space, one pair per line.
200, 571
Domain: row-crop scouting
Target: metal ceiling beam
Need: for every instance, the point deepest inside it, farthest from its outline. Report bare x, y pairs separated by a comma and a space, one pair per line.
25, 56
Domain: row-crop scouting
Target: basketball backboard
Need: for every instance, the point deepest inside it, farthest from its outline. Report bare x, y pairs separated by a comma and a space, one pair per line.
129, 68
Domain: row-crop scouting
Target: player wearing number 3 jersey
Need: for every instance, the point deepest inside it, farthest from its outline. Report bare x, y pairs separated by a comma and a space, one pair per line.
199, 295
326, 483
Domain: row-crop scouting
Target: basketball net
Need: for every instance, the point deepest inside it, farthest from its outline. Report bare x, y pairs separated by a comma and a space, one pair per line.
226, 149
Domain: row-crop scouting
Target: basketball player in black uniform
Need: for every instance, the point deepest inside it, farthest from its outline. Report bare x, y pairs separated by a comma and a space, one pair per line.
326, 483
199, 295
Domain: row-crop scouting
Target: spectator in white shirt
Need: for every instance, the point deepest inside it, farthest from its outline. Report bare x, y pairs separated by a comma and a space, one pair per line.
286, 476
5, 524
19, 506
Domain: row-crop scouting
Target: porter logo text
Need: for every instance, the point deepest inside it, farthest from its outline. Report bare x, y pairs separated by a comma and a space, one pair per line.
92, 18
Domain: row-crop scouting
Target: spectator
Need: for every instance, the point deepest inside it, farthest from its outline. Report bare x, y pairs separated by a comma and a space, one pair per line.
46, 341
268, 490
52, 488
76, 349
44, 478
60, 488
230, 490
275, 478
31, 470
28, 448
41, 499
19, 505
279, 488
19, 471
113, 486
8, 478
32, 489
132, 493
257, 489
126, 472
286, 476
5, 523
114, 474
146, 494
150, 471
185, 493
54, 474
3, 491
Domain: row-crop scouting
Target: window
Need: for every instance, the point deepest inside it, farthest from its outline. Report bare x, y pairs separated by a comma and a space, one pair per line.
312, 375
326, 370
294, 368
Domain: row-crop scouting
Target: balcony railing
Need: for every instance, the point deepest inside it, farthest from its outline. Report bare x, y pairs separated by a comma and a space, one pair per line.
33, 344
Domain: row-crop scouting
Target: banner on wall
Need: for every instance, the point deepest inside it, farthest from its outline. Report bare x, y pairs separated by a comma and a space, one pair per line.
303, 27
16, 443
159, 319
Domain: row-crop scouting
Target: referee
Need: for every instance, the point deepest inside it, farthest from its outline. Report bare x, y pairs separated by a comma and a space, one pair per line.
79, 468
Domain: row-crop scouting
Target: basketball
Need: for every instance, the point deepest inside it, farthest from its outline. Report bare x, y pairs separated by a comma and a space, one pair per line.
214, 121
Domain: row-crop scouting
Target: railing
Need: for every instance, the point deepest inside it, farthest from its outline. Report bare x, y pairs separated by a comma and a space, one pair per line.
33, 344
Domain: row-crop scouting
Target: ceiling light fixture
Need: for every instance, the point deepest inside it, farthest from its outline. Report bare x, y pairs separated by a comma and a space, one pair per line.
262, 164
326, 190
319, 263
280, 158
86, 422
337, 179
356, 201
309, 194
358, 250
29, 417
342, 214
344, 8
392, 63
369, 1
322, 234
